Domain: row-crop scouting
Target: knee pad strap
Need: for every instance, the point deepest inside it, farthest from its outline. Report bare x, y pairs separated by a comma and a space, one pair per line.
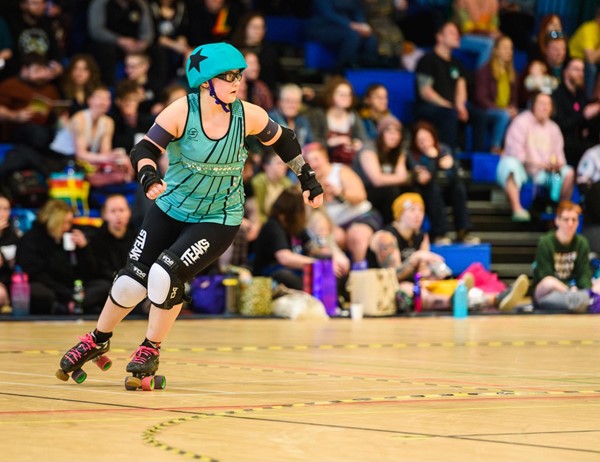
129, 286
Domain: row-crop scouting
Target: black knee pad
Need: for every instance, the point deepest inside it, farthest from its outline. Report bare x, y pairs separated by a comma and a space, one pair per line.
166, 281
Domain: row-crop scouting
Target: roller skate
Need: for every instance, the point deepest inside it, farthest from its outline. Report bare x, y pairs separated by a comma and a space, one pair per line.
80, 354
143, 366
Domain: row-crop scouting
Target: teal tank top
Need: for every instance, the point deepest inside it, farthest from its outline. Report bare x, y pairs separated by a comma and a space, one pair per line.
204, 177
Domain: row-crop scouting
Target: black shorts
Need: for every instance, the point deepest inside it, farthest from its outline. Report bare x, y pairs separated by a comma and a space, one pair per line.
196, 244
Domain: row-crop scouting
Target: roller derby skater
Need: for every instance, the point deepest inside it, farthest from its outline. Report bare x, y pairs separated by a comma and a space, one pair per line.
198, 206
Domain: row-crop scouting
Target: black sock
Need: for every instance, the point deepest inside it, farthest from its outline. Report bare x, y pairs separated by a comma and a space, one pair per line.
101, 337
151, 344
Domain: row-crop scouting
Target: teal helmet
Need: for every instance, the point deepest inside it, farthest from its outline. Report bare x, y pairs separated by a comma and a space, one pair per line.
212, 59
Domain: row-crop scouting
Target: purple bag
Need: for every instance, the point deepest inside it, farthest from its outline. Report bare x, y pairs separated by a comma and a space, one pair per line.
208, 294
320, 281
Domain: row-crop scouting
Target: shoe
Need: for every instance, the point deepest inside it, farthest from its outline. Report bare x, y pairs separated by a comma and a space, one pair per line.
463, 237
144, 360
509, 298
81, 353
442, 240
521, 215
594, 306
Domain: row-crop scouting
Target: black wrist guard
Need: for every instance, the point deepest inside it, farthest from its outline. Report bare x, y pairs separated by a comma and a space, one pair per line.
147, 176
308, 181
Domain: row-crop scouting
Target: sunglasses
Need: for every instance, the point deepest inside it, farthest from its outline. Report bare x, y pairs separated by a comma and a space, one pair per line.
229, 76
555, 34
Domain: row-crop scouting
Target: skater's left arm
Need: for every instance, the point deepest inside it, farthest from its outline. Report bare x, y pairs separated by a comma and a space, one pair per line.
284, 142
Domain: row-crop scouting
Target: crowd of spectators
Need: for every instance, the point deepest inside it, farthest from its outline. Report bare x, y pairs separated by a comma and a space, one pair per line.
80, 84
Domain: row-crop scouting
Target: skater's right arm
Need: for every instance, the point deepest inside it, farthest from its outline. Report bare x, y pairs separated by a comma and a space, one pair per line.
145, 155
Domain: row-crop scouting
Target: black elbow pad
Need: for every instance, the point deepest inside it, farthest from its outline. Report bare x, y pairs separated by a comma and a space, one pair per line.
287, 146
144, 150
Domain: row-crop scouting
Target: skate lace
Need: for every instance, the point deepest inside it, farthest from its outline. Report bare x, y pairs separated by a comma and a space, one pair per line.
143, 353
87, 343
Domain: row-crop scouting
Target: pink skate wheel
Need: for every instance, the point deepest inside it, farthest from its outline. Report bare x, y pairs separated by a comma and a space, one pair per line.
103, 362
147, 383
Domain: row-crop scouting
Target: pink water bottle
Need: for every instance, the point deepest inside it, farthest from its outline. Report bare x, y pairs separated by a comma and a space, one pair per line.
20, 292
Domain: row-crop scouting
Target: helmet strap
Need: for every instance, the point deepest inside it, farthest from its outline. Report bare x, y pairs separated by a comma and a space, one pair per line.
213, 93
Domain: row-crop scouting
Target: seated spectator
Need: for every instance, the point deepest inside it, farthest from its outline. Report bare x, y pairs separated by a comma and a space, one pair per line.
257, 91
117, 28
281, 242
496, 91
533, 152
374, 108
550, 28
390, 40
562, 276
109, 246
556, 55
428, 157
80, 78
384, 171
130, 122
442, 90
404, 246
345, 201
287, 112
137, 69
478, 22
339, 123
214, 20
270, 183
249, 34
8, 247
27, 103
342, 27
51, 267
585, 45
33, 31
170, 46
576, 116
536, 79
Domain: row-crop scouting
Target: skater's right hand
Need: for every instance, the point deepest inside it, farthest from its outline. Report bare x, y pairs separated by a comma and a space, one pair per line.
156, 190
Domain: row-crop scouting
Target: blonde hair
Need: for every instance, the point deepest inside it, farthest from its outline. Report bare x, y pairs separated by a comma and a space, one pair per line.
498, 67
52, 216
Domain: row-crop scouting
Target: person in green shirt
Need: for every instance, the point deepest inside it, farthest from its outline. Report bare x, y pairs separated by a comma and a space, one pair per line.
562, 275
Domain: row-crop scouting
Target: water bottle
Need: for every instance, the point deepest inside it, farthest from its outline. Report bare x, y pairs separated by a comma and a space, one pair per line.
555, 186
417, 301
78, 296
20, 292
460, 301
232, 294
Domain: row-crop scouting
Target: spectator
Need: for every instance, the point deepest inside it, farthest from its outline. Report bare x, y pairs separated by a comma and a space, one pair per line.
534, 150
26, 105
137, 69
8, 247
345, 202
249, 34
403, 245
427, 158
169, 94
257, 91
214, 20
339, 123
562, 277
575, 115
374, 108
117, 28
341, 26
496, 91
442, 87
287, 112
478, 22
556, 55
536, 78
270, 183
384, 171
390, 40
51, 267
170, 46
585, 45
129, 121
109, 247
550, 28
33, 32
80, 78
280, 246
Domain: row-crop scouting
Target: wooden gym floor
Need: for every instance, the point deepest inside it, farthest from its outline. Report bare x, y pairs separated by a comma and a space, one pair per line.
488, 388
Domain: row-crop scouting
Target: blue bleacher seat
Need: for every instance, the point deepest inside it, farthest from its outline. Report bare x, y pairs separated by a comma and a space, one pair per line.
287, 30
400, 86
4, 148
459, 256
520, 61
467, 58
483, 167
317, 56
